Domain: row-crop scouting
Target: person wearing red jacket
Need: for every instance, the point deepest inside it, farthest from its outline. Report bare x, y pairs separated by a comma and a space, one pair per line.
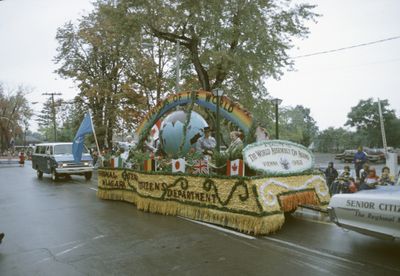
21, 159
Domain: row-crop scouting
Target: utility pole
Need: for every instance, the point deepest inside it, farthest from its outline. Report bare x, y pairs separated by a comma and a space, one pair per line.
53, 110
382, 128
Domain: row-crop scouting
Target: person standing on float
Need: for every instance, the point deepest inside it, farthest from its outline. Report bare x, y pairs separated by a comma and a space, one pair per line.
207, 143
360, 158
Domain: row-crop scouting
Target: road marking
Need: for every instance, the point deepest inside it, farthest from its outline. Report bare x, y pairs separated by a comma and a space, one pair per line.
69, 249
320, 269
220, 228
316, 252
94, 189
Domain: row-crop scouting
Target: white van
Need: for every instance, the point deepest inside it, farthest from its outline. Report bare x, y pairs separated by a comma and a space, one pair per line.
57, 159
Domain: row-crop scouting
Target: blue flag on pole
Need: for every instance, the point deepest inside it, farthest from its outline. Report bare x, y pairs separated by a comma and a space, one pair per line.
77, 145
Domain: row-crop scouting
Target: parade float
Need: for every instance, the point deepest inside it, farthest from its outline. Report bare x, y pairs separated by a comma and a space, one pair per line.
250, 194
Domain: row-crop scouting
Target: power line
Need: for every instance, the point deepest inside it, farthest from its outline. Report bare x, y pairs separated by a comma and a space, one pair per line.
349, 47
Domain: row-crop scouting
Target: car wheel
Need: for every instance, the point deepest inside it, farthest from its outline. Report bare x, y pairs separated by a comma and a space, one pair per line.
54, 175
88, 175
39, 173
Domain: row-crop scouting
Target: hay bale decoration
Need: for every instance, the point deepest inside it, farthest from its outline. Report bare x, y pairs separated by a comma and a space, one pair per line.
254, 206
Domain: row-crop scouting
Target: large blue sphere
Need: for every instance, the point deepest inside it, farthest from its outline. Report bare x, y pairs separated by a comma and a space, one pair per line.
172, 132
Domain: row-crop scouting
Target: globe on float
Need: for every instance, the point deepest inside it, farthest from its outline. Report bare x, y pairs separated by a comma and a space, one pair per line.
171, 132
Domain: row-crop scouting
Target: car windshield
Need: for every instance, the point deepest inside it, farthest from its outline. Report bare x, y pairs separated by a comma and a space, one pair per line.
63, 149
66, 149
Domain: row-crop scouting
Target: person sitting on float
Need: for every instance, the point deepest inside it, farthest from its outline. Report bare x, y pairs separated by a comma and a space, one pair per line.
344, 183
236, 146
207, 143
364, 173
371, 181
261, 134
330, 175
386, 178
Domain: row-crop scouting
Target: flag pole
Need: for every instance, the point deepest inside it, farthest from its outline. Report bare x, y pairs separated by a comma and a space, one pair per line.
94, 133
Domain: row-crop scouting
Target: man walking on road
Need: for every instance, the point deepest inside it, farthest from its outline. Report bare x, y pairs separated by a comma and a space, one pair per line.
360, 158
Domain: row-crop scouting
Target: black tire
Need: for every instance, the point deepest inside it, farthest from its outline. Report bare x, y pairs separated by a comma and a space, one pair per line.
54, 175
88, 175
39, 173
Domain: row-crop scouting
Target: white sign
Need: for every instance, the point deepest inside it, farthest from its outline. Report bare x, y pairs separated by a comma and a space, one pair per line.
278, 157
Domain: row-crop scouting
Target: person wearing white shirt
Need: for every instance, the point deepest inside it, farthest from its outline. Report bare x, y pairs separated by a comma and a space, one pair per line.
207, 143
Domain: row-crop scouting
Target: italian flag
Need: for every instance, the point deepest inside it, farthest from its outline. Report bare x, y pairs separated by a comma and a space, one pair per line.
116, 162
149, 165
235, 167
178, 165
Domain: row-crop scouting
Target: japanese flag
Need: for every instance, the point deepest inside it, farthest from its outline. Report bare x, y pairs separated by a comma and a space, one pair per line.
235, 167
178, 165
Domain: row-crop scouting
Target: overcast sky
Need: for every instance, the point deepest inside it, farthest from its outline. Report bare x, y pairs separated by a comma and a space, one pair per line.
328, 84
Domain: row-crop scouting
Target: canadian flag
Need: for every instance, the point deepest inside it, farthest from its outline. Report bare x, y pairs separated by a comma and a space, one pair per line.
178, 165
235, 167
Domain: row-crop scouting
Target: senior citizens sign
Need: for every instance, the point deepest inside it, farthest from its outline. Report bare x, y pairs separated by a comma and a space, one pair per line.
278, 157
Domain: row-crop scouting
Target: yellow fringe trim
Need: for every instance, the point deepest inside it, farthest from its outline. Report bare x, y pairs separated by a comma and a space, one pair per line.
244, 223
291, 201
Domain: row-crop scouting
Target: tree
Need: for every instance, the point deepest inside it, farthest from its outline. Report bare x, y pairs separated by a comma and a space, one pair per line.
297, 125
336, 140
234, 45
98, 55
14, 115
365, 117
229, 44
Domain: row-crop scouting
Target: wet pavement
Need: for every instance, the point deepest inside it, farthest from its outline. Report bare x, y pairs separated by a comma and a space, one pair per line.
62, 228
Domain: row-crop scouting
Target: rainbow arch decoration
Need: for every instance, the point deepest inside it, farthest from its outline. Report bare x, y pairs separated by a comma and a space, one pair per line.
229, 109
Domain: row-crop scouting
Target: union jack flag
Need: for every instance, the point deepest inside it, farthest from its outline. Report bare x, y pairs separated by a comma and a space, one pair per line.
200, 167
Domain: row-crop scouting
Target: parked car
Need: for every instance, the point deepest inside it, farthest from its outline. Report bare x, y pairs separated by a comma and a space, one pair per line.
375, 155
57, 159
347, 156
373, 212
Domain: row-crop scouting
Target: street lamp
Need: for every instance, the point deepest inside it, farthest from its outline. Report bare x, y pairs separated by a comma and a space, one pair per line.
276, 102
218, 93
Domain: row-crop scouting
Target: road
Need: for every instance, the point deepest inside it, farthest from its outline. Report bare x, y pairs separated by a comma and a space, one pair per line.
62, 228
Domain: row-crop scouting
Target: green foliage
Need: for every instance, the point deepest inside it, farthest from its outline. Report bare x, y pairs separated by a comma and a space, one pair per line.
99, 56
251, 136
15, 112
137, 158
229, 44
68, 118
365, 118
297, 125
121, 55
336, 140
